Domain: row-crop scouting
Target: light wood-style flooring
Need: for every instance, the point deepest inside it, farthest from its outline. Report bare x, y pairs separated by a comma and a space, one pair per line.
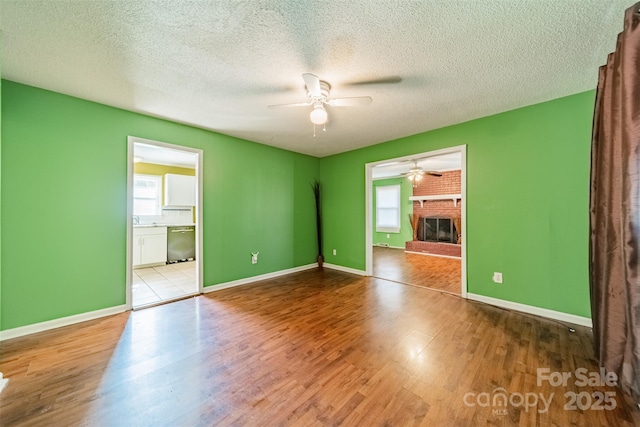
316, 348
427, 271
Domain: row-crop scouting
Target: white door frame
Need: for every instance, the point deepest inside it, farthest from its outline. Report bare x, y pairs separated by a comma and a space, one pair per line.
462, 149
131, 140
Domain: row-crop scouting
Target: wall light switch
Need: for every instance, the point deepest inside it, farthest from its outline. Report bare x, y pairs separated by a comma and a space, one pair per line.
334, 252
497, 277
387, 236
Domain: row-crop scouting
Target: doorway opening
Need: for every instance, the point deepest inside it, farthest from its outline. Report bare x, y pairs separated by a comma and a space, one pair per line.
164, 217
416, 220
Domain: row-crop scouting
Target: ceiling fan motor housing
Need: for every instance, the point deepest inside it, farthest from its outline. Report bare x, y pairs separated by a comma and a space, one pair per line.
325, 89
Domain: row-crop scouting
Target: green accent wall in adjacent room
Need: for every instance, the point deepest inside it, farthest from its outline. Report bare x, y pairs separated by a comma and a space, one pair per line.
64, 177
527, 201
406, 207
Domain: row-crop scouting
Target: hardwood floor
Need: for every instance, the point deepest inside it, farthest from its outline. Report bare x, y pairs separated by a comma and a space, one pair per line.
319, 347
427, 271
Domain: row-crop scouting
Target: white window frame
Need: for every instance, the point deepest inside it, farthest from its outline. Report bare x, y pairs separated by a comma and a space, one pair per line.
388, 228
158, 196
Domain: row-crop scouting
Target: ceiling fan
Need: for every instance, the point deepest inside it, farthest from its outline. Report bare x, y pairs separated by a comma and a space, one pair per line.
416, 173
318, 92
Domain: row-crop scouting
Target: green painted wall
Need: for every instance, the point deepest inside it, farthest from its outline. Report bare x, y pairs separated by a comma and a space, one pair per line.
527, 201
406, 207
63, 174
63, 237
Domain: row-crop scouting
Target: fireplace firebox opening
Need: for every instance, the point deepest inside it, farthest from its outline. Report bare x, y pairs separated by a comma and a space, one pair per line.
436, 229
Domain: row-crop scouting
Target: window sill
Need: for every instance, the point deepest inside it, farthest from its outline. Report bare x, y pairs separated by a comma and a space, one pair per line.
388, 230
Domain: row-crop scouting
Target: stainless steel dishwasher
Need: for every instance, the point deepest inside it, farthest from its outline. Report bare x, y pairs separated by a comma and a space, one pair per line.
181, 243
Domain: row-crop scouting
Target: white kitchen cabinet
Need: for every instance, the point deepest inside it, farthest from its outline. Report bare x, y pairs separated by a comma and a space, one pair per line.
179, 190
149, 245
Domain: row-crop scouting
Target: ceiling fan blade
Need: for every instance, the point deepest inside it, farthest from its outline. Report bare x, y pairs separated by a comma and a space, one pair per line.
376, 81
297, 104
350, 102
313, 84
438, 174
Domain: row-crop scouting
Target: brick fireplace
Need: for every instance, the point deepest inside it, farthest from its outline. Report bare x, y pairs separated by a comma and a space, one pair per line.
435, 231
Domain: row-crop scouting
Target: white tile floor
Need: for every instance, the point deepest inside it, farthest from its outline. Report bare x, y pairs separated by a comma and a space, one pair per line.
163, 283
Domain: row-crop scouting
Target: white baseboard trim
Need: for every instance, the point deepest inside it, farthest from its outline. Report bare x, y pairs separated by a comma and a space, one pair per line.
345, 269
63, 321
247, 280
384, 245
431, 254
542, 312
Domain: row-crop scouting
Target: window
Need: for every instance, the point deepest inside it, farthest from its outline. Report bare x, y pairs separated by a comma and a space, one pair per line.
147, 194
388, 208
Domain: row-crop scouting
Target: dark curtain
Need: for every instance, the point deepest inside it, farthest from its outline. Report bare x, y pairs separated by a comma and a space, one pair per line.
614, 215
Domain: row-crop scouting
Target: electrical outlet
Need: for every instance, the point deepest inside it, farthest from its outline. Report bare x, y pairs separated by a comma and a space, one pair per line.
497, 277
254, 257
334, 252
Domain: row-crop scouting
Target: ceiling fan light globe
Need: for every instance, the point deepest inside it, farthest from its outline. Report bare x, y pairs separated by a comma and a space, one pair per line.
318, 116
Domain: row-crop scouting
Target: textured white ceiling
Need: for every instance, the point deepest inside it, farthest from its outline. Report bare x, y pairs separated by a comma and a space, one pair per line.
218, 64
